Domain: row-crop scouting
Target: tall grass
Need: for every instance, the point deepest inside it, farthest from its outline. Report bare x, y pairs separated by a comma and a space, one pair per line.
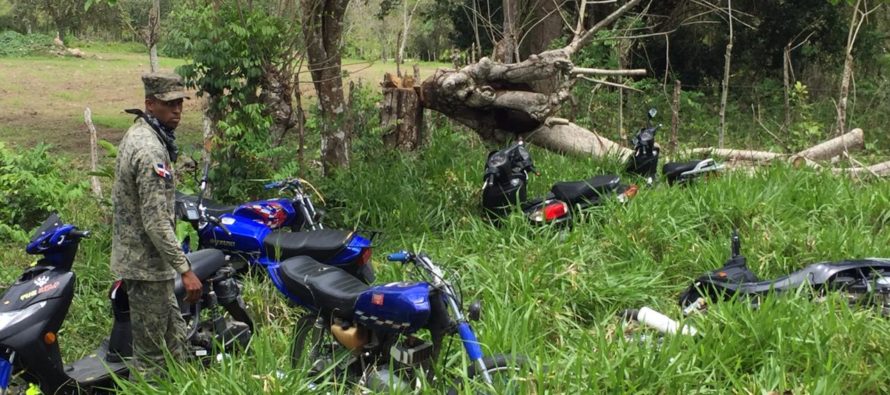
553, 296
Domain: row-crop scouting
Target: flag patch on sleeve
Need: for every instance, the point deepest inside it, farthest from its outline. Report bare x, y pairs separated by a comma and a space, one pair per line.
162, 171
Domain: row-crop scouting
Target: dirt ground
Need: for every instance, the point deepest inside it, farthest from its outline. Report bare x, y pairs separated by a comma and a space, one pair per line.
42, 99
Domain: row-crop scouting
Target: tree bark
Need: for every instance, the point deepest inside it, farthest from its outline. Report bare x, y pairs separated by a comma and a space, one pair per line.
726, 68
786, 79
497, 100
322, 29
152, 34
880, 169
831, 148
675, 117
733, 154
94, 155
401, 114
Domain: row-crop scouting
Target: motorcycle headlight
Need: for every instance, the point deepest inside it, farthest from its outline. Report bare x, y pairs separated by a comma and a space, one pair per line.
11, 318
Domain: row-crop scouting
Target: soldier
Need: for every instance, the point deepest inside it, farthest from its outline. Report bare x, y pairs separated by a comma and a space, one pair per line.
144, 250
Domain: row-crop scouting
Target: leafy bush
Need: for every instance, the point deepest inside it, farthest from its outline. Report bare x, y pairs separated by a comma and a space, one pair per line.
15, 44
31, 186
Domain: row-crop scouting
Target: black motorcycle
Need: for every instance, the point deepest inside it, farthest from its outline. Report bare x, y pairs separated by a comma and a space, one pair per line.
862, 281
504, 187
644, 161
34, 308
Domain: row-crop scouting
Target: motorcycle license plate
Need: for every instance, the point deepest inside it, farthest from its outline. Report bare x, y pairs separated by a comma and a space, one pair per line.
5, 374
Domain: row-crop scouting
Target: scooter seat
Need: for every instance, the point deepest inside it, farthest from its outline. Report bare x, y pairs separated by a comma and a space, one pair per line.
674, 169
211, 207
204, 264
330, 289
590, 190
320, 244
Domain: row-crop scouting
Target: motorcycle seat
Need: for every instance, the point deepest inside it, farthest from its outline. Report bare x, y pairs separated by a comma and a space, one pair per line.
321, 245
213, 208
590, 190
204, 264
674, 169
330, 289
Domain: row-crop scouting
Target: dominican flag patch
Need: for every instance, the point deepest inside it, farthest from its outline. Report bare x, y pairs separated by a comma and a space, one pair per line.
163, 171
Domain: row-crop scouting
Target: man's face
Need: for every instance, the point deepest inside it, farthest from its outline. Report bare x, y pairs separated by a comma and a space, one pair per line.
169, 113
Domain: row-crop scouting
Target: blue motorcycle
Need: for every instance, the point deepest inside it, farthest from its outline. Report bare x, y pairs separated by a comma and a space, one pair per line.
367, 334
254, 233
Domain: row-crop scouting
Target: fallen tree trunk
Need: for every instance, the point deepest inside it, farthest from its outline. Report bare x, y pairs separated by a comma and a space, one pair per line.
880, 169
567, 137
830, 148
734, 154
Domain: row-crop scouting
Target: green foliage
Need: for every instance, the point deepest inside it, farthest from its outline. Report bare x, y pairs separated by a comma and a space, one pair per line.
15, 44
31, 186
232, 48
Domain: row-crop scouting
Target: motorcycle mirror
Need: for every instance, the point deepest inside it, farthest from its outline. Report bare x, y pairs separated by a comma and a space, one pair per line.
474, 312
652, 113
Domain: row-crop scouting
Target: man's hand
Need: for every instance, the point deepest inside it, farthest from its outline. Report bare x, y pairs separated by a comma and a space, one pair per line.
192, 286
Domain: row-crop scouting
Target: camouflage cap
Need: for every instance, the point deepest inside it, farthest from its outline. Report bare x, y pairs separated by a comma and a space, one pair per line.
164, 86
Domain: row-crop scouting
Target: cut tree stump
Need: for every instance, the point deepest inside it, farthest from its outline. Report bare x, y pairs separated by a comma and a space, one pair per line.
401, 113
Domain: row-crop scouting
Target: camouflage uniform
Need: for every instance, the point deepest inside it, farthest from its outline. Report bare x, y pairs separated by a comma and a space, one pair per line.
145, 252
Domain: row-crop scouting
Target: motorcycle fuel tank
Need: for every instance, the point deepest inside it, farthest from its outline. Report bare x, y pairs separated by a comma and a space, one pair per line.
394, 307
247, 235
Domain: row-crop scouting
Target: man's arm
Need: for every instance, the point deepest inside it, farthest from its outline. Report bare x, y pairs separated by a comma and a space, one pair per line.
155, 215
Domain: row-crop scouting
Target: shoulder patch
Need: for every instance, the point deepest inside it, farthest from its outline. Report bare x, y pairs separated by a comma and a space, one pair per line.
163, 171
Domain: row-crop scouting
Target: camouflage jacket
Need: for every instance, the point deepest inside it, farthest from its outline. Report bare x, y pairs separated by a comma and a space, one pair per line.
144, 245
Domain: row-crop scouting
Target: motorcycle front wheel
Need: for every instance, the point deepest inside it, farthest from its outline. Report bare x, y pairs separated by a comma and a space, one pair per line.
510, 374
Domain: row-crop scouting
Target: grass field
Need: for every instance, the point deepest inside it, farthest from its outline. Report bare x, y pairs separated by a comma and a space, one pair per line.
42, 99
550, 295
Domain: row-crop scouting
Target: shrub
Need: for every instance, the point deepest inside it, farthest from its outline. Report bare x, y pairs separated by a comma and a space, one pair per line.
31, 186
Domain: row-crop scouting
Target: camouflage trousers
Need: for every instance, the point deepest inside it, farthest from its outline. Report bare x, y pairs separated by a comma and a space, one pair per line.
157, 325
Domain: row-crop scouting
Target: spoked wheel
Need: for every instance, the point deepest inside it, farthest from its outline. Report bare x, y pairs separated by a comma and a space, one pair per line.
510, 374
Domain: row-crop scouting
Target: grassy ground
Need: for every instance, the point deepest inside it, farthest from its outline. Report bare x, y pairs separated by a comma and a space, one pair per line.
42, 99
554, 296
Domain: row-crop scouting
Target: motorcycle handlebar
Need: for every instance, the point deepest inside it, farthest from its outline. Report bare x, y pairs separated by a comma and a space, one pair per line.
401, 256
80, 234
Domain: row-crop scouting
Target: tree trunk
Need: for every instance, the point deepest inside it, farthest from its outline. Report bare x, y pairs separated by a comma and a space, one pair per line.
848, 71
322, 29
880, 169
831, 148
401, 113
498, 101
733, 154
152, 34
506, 49
94, 155
675, 118
726, 68
786, 79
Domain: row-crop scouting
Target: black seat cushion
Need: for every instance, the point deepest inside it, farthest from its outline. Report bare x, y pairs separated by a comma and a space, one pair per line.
321, 245
213, 208
204, 264
674, 169
590, 190
330, 289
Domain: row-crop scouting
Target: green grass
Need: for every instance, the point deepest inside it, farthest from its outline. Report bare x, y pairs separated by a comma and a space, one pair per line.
554, 296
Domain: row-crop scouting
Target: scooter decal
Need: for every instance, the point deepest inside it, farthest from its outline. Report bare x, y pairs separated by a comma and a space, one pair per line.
26, 296
41, 281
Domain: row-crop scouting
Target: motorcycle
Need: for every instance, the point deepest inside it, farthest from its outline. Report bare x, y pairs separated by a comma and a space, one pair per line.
506, 176
862, 281
367, 334
644, 161
35, 307
253, 232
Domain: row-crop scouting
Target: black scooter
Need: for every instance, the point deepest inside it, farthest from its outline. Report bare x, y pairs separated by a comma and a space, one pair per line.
33, 309
506, 176
644, 161
863, 281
